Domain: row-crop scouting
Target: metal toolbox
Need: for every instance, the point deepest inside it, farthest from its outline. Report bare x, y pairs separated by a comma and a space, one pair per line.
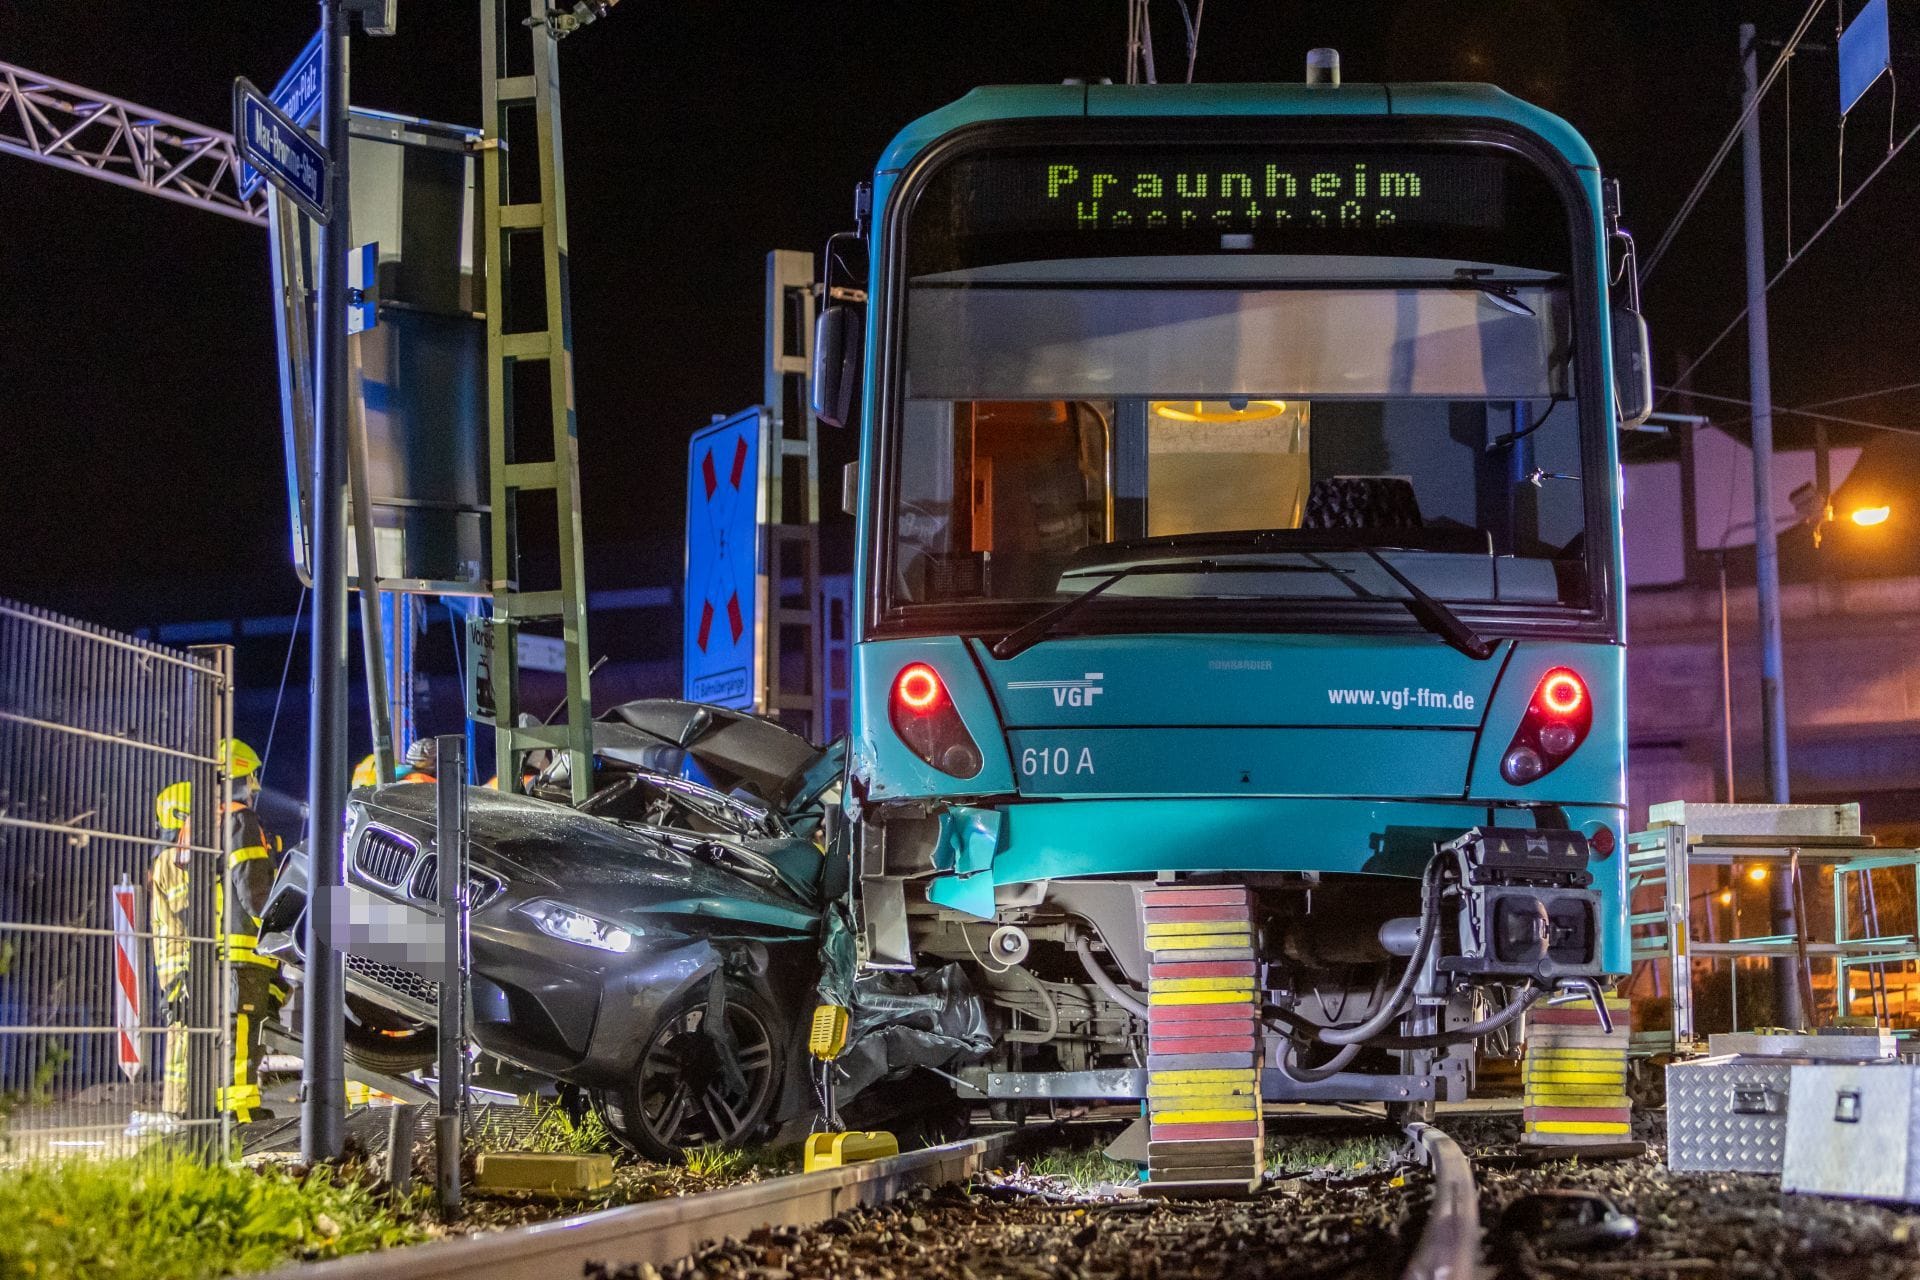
1840, 1044
1851, 1131
1727, 1114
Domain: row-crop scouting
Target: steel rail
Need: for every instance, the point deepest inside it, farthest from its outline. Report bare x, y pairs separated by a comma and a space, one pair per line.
1449, 1245
661, 1231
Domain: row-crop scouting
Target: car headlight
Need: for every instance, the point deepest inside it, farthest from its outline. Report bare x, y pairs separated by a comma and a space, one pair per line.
570, 925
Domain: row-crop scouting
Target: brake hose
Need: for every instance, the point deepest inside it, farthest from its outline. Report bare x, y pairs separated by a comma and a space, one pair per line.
1472, 1031
1108, 987
1053, 1013
1403, 990
1292, 1069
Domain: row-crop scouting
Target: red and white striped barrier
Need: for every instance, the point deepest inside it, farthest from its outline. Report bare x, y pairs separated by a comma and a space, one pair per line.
127, 984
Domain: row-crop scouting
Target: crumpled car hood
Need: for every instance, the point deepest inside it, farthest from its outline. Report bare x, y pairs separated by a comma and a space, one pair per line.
592, 862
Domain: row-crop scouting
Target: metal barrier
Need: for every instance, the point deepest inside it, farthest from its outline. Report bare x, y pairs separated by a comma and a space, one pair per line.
1764, 840
93, 725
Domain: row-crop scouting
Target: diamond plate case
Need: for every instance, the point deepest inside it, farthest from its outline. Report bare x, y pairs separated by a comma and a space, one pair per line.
1855, 1132
1727, 1115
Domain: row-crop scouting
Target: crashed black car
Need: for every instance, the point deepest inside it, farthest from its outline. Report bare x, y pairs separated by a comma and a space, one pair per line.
656, 947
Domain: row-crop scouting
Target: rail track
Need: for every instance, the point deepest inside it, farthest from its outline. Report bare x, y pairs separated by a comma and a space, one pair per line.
787, 1220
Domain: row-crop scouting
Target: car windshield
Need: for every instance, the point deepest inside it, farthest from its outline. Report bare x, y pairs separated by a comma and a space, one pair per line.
1241, 376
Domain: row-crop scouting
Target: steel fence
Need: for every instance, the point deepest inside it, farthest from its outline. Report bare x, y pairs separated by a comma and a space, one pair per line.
93, 725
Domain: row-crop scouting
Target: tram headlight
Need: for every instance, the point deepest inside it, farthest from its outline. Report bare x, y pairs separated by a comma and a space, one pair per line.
1556, 722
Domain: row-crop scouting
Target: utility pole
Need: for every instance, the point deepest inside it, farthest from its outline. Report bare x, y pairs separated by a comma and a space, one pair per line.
1766, 547
323, 1073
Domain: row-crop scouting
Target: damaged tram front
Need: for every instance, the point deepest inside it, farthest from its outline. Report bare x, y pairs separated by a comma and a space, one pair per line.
1238, 509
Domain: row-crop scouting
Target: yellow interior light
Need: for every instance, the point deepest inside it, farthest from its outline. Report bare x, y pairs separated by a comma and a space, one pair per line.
1756, 874
1866, 517
1218, 410
1726, 897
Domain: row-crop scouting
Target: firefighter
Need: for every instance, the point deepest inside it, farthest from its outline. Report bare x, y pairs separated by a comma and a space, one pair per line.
167, 922
257, 994
366, 773
422, 762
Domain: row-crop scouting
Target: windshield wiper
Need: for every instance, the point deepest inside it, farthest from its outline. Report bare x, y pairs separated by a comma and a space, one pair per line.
1500, 294
1431, 613
1434, 615
1025, 636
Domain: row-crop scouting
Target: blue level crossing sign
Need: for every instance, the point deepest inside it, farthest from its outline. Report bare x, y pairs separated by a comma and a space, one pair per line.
280, 149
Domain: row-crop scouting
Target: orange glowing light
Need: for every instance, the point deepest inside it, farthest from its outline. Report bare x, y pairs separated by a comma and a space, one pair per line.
1756, 874
1562, 692
918, 688
1866, 517
1726, 897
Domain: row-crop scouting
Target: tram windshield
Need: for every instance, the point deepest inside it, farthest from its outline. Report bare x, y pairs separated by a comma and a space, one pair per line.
1301, 358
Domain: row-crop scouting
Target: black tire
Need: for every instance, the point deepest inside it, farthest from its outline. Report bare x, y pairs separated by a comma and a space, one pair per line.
681, 1096
392, 1043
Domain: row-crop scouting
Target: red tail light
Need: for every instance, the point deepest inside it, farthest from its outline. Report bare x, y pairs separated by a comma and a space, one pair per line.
927, 721
1562, 694
1556, 722
918, 687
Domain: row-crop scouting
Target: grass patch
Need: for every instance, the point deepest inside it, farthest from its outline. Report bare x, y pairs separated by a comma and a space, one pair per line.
1344, 1154
1084, 1168
554, 1130
175, 1219
715, 1163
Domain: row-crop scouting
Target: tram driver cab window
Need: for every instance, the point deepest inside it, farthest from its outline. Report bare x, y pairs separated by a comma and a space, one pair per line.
1017, 488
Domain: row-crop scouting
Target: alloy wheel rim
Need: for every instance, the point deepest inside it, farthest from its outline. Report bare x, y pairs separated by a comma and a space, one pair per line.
685, 1096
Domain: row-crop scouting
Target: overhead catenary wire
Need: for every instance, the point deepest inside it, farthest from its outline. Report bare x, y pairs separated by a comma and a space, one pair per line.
1807, 412
286, 665
1798, 254
1192, 18
1727, 143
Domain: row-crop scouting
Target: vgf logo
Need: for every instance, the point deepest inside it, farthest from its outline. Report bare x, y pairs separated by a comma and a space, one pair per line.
1070, 692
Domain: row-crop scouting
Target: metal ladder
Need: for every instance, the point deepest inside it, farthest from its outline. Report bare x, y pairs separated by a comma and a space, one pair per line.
792, 462
520, 79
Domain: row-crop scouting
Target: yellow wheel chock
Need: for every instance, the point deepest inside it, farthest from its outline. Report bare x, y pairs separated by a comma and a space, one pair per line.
833, 1150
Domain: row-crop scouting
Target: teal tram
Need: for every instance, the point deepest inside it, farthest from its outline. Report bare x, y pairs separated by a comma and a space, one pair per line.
1238, 509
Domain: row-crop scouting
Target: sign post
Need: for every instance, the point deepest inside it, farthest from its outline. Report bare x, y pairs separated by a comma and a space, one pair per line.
450, 892
323, 1079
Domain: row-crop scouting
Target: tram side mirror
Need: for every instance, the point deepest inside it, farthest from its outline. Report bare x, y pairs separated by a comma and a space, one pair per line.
836, 365
850, 488
1632, 369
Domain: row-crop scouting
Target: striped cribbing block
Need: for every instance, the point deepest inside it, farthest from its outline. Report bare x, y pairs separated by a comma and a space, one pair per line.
1205, 1135
1575, 1076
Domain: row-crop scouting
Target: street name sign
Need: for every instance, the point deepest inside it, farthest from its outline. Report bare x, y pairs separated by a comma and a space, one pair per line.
297, 94
280, 149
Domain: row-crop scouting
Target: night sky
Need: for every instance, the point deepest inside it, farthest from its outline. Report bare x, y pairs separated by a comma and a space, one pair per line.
144, 478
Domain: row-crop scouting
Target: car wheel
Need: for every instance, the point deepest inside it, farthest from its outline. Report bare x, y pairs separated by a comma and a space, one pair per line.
683, 1093
381, 1040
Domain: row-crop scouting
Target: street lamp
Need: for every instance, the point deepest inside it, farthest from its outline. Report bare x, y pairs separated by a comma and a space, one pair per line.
1867, 517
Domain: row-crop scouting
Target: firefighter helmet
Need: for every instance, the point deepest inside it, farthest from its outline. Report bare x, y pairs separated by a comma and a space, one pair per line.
241, 760
172, 805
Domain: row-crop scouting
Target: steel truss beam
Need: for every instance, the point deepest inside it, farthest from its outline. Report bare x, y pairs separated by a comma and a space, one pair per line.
124, 143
